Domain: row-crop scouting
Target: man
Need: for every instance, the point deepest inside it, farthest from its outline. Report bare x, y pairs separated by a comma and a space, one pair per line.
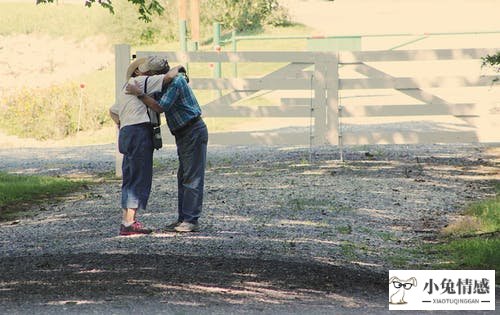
183, 114
135, 139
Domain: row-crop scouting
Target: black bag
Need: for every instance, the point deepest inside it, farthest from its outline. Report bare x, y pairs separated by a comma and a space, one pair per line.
155, 119
157, 142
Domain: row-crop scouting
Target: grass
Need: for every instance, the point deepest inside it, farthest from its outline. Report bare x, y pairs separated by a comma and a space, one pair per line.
16, 190
77, 22
344, 229
473, 253
58, 21
473, 248
301, 204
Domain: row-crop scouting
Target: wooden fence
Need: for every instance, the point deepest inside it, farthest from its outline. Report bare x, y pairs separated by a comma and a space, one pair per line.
320, 87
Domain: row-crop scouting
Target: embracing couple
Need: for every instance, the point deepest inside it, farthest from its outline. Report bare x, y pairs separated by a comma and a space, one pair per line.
151, 82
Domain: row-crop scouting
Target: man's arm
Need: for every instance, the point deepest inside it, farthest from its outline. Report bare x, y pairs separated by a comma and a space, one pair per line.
171, 74
151, 103
134, 89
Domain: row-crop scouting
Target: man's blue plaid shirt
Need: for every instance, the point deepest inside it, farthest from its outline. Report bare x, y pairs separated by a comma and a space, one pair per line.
179, 103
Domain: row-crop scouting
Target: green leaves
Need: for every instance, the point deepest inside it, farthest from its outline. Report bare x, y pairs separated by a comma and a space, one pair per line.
145, 8
492, 61
244, 15
148, 8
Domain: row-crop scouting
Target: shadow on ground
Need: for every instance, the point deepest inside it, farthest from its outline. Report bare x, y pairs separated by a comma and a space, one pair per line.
97, 278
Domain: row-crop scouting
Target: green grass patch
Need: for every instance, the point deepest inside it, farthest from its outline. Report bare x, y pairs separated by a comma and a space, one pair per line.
344, 229
16, 190
488, 213
300, 204
479, 218
472, 242
471, 253
348, 250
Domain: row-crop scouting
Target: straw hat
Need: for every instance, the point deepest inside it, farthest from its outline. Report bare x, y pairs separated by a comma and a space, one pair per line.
133, 66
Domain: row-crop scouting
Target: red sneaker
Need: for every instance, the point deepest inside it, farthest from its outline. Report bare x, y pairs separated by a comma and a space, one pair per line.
135, 228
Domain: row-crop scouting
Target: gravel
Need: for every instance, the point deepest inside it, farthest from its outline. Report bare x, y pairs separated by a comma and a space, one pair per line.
284, 230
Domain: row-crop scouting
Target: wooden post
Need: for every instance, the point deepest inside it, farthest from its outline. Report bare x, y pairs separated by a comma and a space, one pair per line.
195, 22
235, 49
183, 10
318, 85
334, 134
217, 48
183, 25
122, 60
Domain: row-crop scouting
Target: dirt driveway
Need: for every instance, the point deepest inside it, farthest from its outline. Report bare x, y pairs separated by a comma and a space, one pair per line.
279, 235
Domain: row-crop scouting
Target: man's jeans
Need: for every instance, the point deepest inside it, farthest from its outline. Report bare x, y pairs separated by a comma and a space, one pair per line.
192, 153
135, 142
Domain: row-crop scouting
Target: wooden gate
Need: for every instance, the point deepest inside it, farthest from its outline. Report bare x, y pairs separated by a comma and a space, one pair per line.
343, 96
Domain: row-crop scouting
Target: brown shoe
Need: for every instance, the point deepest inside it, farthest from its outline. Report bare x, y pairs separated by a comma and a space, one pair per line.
171, 227
187, 227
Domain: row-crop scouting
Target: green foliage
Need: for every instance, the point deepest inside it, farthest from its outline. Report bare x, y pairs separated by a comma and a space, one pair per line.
461, 251
76, 22
244, 15
488, 213
15, 189
72, 20
123, 27
25, 113
472, 253
492, 61
479, 218
51, 113
344, 229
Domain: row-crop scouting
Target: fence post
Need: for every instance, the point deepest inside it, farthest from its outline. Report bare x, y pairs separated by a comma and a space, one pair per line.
333, 108
183, 35
235, 49
122, 60
195, 24
182, 13
318, 84
217, 47
217, 66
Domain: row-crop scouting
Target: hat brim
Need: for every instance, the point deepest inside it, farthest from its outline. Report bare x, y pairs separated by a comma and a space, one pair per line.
133, 66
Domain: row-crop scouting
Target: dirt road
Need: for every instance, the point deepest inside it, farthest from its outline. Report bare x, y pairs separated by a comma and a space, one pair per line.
280, 236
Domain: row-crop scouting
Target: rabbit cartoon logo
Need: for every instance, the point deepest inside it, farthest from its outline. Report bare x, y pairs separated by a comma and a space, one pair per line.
400, 286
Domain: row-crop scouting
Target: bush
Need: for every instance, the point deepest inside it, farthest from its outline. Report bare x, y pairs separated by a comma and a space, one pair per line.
125, 27
51, 113
75, 21
492, 61
243, 15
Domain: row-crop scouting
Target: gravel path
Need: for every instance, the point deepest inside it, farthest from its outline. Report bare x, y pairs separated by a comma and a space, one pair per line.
280, 235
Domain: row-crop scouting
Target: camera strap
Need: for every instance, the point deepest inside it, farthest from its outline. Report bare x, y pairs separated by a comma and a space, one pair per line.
154, 117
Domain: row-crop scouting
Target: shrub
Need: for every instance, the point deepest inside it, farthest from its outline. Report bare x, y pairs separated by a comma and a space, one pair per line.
243, 15
125, 27
492, 61
51, 113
